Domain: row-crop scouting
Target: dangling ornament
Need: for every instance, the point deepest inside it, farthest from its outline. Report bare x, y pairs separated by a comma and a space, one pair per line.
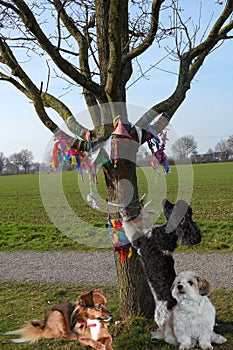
159, 155
119, 240
120, 130
59, 150
120, 134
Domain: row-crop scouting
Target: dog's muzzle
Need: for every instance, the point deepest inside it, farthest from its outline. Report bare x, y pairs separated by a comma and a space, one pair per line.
106, 319
180, 289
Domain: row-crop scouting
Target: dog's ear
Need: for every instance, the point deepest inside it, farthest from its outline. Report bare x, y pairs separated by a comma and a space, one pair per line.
176, 214
85, 300
99, 291
167, 208
204, 286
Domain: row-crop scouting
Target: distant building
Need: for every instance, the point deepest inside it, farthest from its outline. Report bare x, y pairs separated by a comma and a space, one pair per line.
207, 157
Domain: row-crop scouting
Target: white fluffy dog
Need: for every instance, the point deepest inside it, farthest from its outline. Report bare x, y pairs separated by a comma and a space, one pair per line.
192, 320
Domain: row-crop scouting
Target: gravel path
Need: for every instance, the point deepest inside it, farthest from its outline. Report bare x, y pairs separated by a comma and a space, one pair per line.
99, 268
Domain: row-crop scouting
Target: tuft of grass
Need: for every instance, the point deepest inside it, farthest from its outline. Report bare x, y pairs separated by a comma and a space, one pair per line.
25, 301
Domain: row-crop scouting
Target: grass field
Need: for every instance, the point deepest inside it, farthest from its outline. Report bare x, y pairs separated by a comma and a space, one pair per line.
25, 225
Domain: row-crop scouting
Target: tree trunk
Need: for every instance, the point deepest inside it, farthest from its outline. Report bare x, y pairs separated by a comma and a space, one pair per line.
134, 292
121, 180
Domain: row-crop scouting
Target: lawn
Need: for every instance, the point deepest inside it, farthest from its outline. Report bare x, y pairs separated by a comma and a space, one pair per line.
25, 224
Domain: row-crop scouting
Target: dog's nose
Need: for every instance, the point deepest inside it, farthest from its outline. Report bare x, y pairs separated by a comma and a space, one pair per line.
179, 287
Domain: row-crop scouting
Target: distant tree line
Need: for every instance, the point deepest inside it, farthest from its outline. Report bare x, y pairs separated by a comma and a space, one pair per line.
186, 147
183, 148
18, 162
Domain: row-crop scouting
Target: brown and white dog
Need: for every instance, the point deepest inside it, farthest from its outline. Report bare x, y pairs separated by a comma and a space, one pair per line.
192, 319
86, 321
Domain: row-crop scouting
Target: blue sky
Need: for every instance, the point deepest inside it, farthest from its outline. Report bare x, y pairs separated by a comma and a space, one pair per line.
207, 112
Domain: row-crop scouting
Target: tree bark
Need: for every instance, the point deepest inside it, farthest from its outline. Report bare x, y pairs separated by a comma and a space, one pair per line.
135, 295
134, 292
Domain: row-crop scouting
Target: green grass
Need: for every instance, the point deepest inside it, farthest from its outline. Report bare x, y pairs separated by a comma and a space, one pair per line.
19, 305
217, 237
25, 224
38, 238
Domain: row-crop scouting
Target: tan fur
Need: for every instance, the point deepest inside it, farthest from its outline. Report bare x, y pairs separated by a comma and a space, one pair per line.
205, 287
73, 322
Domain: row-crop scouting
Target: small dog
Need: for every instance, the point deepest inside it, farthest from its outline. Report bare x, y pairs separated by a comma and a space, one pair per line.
156, 246
86, 321
192, 319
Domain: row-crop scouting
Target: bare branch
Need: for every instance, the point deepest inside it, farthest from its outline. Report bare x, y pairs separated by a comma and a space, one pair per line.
147, 42
15, 82
9, 5
83, 57
39, 99
30, 22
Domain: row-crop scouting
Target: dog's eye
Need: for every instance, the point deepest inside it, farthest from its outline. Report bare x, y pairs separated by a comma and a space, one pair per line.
190, 282
99, 306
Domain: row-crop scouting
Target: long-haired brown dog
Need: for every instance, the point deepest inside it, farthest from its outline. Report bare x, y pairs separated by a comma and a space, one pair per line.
86, 321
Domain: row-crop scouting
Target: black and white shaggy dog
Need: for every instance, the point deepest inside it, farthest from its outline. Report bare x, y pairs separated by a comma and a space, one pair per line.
156, 246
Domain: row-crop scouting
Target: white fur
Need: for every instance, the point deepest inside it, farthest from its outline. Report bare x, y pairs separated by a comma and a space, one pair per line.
131, 230
162, 314
192, 319
94, 329
146, 221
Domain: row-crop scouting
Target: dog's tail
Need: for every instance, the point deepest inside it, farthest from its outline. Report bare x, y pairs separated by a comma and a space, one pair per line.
31, 332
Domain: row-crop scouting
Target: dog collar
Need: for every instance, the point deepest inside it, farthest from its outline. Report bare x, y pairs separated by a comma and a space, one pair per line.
84, 324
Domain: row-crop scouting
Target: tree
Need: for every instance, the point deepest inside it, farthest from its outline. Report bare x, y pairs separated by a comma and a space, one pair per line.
10, 167
22, 159
210, 151
16, 161
230, 144
93, 44
25, 158
35, 167
222, 147
225, 147
2, 162
184, 146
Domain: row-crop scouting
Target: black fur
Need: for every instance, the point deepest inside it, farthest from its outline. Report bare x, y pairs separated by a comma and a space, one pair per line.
157, 246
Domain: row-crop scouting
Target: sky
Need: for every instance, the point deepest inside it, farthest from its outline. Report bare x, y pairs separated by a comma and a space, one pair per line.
206, 113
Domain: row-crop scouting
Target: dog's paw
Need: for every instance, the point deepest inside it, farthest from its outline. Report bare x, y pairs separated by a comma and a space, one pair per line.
206, 346
184, 347
157, 334
221, 340
100, 346
125, 215
217, 338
